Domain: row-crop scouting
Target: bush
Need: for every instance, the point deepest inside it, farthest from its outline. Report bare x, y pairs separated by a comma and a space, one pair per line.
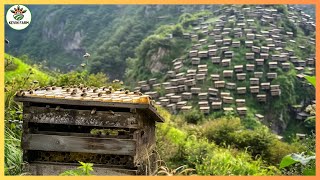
186, 19
260, 142
177, 31
257, 141
219, 130
169, 144
77, 78
278, 149
208, 159
194, 116
10, 65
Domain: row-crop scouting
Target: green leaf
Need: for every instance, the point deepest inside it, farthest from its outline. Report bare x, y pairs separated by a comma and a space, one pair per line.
311, 79
309, 172
287, 161
294, 158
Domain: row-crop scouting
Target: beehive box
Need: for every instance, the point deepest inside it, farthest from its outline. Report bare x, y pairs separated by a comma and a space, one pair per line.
113, 130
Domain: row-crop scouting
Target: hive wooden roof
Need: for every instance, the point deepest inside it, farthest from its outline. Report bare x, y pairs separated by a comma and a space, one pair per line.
94, 97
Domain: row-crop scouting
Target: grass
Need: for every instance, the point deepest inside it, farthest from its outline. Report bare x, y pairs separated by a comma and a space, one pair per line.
17, 75
13, 153
22, 68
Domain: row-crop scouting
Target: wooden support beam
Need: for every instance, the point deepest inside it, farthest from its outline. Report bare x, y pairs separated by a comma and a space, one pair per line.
79, 144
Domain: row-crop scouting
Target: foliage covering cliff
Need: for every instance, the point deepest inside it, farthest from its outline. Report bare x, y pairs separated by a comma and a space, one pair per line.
59, 35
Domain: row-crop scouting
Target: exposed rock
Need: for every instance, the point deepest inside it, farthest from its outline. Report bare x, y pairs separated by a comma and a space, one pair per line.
155, 61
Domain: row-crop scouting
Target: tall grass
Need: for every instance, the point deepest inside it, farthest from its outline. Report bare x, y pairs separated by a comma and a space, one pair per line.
12, 153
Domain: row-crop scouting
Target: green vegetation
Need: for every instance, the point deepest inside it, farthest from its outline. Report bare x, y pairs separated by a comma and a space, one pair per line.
12, 151
162, 50
193, 116
205, 148
258, 142
304, 163
212, 147
83, 170
307, 163
109, 33
135, 43
18, 67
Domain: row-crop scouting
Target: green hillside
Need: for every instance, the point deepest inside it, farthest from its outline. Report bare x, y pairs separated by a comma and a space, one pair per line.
17, 68
170, 51
61, 35
229, 81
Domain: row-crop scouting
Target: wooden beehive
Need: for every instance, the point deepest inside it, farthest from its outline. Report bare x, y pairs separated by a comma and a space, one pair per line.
114, 131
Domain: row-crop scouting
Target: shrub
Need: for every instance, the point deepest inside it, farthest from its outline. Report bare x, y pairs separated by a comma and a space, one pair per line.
219, 130
260, 142
9, 65
179, 148
209, 159
278, 149
194, 116
77, 78
186, 19
177, 31
169, 143
257, 141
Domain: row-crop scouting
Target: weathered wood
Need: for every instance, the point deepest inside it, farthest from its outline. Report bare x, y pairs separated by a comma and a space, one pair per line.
242, 110
79, 144
205, 109
145, 141
82, 117
128, 136
80, 102
46, 121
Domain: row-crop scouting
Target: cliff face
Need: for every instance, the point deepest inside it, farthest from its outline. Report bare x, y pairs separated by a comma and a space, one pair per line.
69, 42
155, 64
61, 34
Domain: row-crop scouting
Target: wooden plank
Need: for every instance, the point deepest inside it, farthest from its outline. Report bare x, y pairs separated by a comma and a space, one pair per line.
80, 102
45, 169
92, 104
153, 114
79, 144
79, 134
82, 117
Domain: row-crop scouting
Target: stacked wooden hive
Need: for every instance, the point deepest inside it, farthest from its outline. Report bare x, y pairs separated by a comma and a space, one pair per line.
113, 130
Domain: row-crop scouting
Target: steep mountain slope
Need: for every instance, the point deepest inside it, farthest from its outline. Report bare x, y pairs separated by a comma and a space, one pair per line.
257, 54
59, 35
15, 68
